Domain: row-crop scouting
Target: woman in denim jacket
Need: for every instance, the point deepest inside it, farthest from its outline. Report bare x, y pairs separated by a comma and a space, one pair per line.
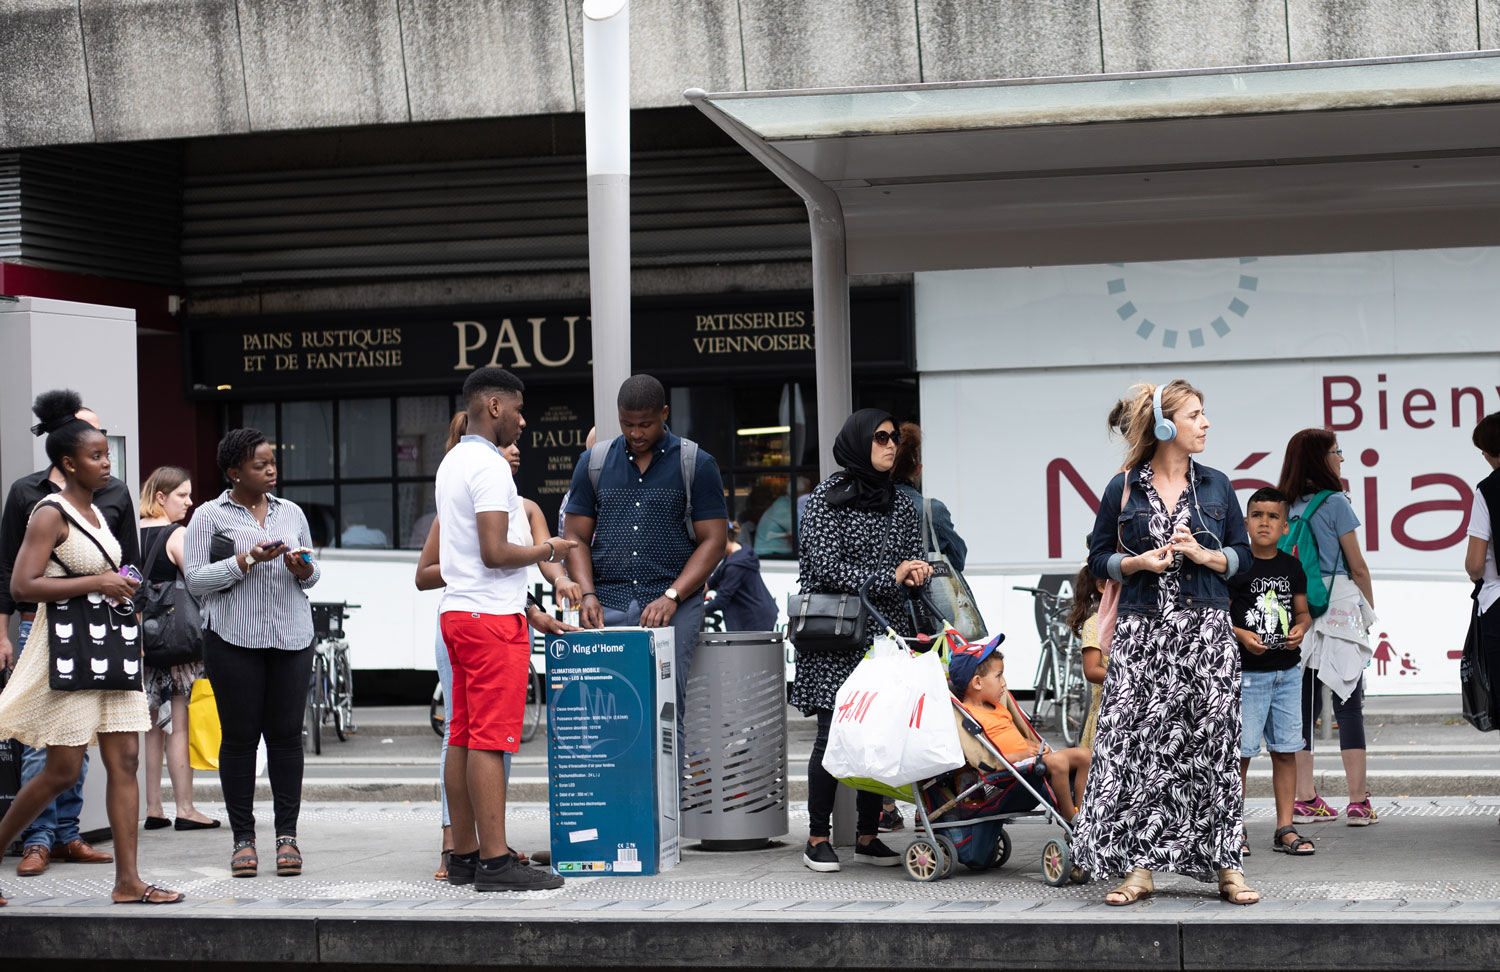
1164, 793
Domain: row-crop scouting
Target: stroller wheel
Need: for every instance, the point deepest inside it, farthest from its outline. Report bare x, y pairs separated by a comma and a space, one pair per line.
950, 855
1002, 850
1057, 863
1079, 875
925, 860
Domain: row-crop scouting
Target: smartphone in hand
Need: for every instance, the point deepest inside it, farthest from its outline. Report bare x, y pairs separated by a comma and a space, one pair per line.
305, 553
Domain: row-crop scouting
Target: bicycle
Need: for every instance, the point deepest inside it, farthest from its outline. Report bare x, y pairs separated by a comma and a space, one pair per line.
331, 688
1059, 682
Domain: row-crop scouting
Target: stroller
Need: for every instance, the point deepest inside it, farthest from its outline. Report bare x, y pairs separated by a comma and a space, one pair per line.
961, 814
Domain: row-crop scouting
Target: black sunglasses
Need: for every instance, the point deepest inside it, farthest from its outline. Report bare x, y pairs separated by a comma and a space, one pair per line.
887, 438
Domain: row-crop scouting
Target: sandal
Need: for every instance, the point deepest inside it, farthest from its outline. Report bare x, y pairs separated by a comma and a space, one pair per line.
1295, 847
243, 864
151, 889
1137, 886
441, 874
288, 857
1232, 887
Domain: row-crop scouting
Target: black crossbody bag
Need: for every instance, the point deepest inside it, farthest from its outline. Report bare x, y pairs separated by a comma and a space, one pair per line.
93, 645
832, 622
170, 615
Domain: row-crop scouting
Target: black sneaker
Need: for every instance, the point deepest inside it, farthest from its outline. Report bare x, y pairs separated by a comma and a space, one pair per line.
890, 819
461, 868
820, 857
876, 853
508, 874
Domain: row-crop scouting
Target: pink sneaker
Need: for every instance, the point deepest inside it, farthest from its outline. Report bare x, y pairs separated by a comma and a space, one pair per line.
1361, 814
1315, 810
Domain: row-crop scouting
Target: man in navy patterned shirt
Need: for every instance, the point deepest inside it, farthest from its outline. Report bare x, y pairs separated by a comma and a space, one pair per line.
634, 559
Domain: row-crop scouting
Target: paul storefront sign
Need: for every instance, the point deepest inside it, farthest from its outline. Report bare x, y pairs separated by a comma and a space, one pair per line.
1395, 352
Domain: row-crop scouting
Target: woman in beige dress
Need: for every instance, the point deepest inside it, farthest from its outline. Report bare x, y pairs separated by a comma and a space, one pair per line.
66, 529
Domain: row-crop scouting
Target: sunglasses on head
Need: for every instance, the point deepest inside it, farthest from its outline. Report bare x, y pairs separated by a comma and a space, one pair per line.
886, 438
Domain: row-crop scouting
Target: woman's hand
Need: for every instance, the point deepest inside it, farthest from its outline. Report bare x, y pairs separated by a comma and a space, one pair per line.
1185, 543
301, 569
115, 586
262, 552
568, 589
913, 573
1154, 561
546, 623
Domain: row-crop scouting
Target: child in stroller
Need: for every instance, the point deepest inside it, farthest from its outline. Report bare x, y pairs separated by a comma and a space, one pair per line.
977, 677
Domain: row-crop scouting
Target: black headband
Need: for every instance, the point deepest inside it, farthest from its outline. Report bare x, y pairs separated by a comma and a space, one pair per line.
47, 428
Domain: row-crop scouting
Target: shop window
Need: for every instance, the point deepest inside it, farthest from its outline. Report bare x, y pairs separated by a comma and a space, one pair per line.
416, 508
317, 503
365, 439
306, 440
421, 433
365, 516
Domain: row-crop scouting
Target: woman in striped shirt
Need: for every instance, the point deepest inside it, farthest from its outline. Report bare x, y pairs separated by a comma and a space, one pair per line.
249, 561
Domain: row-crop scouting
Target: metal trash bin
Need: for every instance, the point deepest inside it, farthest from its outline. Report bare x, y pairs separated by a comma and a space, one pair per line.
734, 787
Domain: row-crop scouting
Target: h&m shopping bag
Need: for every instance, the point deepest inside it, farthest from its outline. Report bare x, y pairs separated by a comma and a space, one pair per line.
892, 721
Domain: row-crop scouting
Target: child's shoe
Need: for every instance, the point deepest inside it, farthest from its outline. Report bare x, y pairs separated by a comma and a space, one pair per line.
890, 819
1361, 814
1312, 811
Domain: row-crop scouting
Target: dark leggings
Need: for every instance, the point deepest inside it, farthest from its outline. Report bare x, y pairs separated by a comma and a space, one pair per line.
1350, 713
259, 692
822, 787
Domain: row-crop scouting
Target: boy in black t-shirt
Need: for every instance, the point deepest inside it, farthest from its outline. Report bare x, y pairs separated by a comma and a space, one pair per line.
1268, 604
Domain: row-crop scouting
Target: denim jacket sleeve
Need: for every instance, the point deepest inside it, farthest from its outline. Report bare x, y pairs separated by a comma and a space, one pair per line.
1104, 559
1236, 538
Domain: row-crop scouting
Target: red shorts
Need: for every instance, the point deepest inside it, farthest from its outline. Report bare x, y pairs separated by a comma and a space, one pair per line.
491, 655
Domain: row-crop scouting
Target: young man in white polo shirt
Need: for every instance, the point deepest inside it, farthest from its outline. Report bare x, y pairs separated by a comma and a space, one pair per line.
483, 617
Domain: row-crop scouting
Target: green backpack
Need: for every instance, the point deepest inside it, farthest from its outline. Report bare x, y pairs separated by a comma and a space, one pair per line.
1302, 544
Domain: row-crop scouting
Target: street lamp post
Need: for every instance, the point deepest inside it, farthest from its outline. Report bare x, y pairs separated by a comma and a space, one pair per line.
606, 119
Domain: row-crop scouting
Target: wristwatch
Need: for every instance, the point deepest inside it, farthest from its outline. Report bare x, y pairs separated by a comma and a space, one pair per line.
671, 592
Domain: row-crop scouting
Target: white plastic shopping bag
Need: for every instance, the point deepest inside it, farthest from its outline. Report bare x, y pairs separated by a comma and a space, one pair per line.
932, 743
892, 721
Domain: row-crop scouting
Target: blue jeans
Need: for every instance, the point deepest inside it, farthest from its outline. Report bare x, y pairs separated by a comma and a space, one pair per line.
445, 678
58, 821
687, 621
1270, 710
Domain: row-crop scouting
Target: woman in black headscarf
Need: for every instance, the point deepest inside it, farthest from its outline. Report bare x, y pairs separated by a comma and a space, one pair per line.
855, 526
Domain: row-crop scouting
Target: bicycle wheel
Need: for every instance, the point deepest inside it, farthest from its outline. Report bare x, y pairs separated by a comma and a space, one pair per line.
1044, 695
435, 712
1073, 700
536, 701
343, 694
317, 702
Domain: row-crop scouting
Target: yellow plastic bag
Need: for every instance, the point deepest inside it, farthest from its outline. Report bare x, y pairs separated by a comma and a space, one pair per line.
204, 733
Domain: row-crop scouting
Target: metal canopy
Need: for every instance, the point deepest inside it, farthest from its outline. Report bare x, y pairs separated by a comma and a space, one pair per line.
1388, 153
1165, 165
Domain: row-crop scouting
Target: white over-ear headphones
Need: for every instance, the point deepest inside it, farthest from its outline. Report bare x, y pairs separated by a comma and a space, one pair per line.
1165, 428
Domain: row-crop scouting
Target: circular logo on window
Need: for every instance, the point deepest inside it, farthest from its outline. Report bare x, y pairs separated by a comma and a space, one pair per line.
1133, 306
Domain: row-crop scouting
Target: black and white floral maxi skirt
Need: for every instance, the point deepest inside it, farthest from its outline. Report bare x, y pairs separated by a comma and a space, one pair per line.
1164, 789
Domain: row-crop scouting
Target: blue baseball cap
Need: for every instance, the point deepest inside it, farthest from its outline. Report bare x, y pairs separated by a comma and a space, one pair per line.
965, 662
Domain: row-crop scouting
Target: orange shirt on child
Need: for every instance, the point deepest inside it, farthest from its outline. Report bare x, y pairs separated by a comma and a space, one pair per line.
1000, 728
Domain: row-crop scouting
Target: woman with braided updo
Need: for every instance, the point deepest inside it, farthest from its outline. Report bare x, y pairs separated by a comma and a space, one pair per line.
69, 554
249, 560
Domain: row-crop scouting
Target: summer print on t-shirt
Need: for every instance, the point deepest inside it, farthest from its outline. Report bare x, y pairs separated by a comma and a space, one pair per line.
1261, 601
